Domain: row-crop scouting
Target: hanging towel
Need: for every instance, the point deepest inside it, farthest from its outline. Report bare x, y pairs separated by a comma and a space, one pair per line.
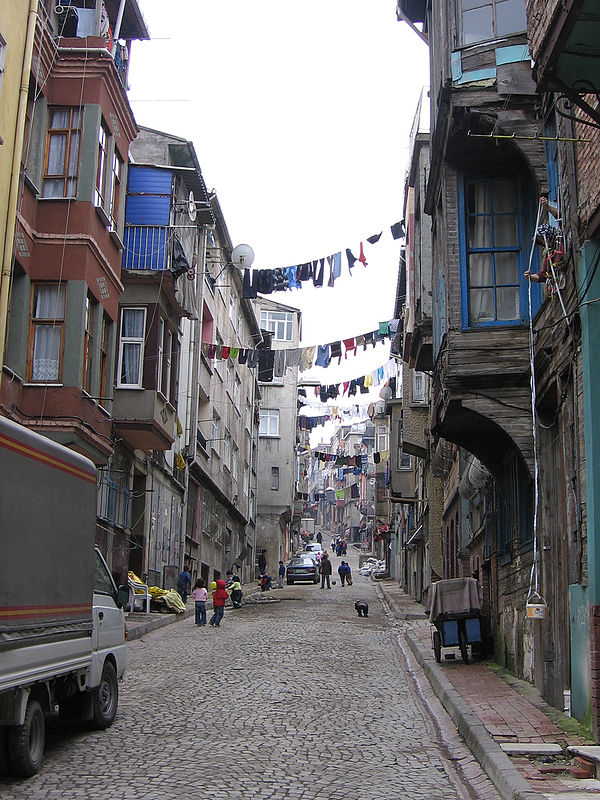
354, 490
212, 350
252, 359
234, 352
304, 272
243, 356
361, 256
323, 358
323, 394
346, 385
360, 340
205, 348
265, 365
225, 352
280, 281
279, 363
380, 374
264, 281
368, 380
394, 326
384, 328
369, 339
376, 458
292, 358
306, 359
351, 259
352, 389
349, 344
374, 239
319, 269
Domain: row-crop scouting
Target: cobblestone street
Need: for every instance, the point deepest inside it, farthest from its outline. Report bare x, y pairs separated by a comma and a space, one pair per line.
297, 699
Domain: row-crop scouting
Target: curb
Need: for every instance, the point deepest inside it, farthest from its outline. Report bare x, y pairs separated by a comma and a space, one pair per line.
507, 779
141, 629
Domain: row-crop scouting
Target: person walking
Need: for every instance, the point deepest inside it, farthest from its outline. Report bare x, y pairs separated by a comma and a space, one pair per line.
184, 584
343, 571
325, 571
219, 599
319, 537
200, 596
280, 575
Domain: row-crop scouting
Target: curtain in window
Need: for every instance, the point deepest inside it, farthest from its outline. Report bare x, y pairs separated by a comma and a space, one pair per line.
481, 300
132, 327
46, 353
130, 364
49, 302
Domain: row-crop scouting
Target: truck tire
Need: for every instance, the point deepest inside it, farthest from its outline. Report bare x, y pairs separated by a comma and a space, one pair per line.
26, 742
106, 698
4, 762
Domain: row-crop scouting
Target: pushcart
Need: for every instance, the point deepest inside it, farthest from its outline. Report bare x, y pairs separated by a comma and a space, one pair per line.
454, 608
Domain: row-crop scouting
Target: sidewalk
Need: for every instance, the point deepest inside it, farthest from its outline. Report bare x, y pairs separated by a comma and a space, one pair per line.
519, 740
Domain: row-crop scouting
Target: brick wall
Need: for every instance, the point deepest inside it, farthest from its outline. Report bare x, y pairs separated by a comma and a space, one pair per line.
588, 171
539, 16
595, 668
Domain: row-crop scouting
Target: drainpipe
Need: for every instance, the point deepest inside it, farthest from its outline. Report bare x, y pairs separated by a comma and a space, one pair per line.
195, 345
117, 30
15, 181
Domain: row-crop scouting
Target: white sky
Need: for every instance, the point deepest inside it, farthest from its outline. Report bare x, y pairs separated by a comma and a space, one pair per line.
300, 115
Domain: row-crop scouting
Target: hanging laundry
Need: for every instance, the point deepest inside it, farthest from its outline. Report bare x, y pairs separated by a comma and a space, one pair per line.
374, 239
394, 326
291, 277
323, 358
349, 344
318, 269
346, 385
292, 358
352, 389
266, 359
369, 339
248, 290
252, 359
335, 267
243, 356
225, 352
280, 281
351, 259
354, 490
360, 340
384, 328
362, 257
379, 374
323, 394
279, 363
205, 349
397, 229
263, 280
376, 458
306, 360
336, 351
304, 272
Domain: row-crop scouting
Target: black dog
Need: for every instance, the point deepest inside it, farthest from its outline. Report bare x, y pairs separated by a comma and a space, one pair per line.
362, 608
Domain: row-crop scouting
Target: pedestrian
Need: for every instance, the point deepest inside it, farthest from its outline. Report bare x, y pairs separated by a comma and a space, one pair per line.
265, 583
280, 575
262, 563
319, 537
348, 575
333, 545
184, 584
200, 596
338, 548
325, 571
344, 547
236, 591
228, 578
343, 571
219, 599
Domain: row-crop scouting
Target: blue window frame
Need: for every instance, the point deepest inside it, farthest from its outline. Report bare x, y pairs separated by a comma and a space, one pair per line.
493, 289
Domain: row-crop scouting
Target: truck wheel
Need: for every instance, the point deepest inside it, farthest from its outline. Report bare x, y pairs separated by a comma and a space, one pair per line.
26, 742
4, 762
106, 698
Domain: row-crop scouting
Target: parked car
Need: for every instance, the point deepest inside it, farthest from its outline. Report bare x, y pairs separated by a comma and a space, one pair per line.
302, 568
314, 547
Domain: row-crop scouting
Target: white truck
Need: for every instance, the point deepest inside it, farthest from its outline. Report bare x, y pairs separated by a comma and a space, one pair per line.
62, 627
307, 526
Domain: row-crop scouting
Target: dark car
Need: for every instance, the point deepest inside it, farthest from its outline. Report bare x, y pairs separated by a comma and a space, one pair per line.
302, 568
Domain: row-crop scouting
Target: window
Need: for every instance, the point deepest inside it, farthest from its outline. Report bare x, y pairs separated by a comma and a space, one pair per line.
115, 189
104, 349
62, 153
236, 392
280, 324
227, 450
215, 432
235, 453
101, 167
131, 347
248, 417
232, 308
275, 479
269, 422
491, 252
404, 460
382, 438
160, 355
489, 19
168, 356
46, 335
88, 346
419, 384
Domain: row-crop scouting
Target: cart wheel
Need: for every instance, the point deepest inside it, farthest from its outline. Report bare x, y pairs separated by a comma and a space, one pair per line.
462, 643
437, 646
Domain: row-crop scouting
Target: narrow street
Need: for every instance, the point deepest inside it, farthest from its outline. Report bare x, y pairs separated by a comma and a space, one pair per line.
294, 699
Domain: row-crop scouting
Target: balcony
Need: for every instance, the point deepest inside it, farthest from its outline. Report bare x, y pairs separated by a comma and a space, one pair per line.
144, 419
145, 247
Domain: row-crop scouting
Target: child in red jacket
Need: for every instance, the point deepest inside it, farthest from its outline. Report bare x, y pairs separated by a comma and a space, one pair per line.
219, 598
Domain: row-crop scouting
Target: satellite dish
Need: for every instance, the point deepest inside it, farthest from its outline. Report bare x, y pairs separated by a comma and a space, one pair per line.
242, 256
191, 206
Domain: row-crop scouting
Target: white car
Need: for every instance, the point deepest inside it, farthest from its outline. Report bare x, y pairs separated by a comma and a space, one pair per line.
314, 548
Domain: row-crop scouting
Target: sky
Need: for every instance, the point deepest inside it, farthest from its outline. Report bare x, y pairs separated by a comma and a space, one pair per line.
300, 115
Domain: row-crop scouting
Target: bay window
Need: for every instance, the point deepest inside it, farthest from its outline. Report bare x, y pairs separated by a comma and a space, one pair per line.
269, 422
482, 20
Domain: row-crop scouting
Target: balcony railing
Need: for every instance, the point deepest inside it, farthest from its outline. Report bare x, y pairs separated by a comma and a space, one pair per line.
145, 247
